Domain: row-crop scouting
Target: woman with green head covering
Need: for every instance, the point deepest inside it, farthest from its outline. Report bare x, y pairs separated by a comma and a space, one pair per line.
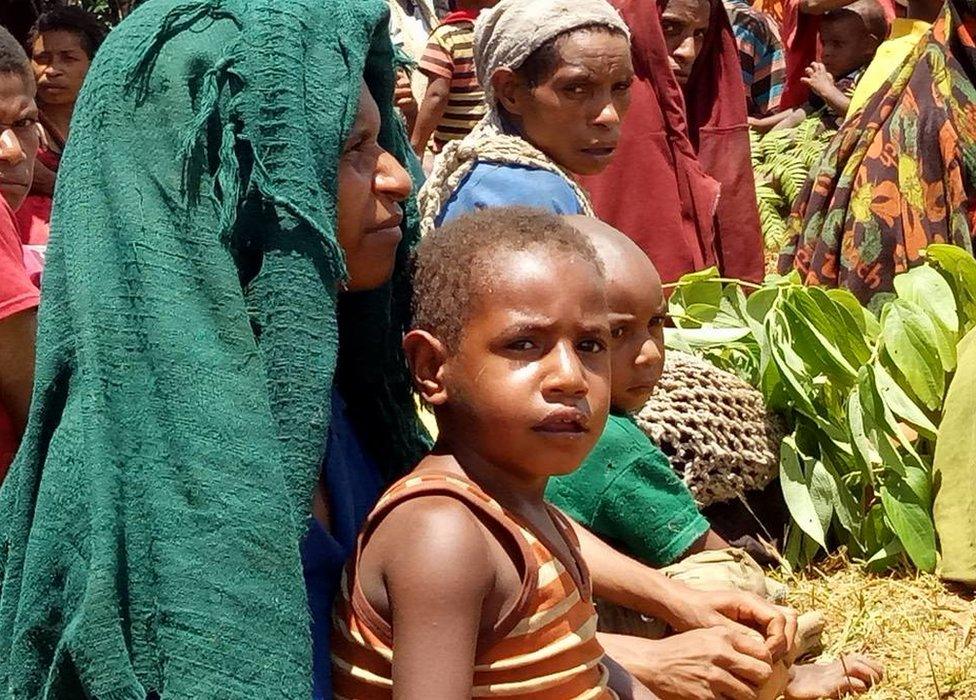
229, 214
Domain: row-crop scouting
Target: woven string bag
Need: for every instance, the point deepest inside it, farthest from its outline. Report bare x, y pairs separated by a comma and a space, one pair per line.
714, 427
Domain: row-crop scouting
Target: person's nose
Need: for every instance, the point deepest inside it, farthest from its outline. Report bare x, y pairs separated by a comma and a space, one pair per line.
609, 115
564, 374
650, 354
391, 178
11, 149
687, 51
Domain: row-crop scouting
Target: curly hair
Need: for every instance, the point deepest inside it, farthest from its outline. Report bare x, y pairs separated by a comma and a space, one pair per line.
73, 19
13, 59
455, 262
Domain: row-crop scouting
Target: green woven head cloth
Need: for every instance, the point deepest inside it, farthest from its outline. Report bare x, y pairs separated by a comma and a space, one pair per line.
188, 342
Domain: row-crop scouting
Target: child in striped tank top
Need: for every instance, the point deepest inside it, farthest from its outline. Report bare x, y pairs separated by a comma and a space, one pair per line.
465, 583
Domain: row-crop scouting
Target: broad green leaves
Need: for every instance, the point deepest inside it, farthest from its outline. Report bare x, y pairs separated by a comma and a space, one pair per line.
864, 394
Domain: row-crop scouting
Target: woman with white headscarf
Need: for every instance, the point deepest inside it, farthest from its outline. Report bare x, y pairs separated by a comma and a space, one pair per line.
556, 75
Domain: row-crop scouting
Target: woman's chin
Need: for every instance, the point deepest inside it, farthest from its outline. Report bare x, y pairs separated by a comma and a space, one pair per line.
591, 164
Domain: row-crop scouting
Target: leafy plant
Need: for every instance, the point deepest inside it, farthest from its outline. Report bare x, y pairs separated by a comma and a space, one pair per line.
863, 394
781, 161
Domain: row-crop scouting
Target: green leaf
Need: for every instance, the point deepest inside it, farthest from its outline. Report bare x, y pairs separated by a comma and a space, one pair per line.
869, 457
795, 380
907, 334
886, 557
823, 492
911, 521
930, 293
796, 492
959, 269
848, 334
929, 290
703, 337
864, 319
701, 287
813, 341
901, 404
845, 506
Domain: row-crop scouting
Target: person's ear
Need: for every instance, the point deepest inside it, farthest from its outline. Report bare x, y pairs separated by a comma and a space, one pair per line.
426, 357
508, 90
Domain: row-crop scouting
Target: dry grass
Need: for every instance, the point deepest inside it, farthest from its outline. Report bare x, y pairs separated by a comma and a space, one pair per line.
921, 630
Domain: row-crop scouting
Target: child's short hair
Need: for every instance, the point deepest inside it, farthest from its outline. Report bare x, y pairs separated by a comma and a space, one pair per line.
869, 12
455, 261
73, 19
13, 59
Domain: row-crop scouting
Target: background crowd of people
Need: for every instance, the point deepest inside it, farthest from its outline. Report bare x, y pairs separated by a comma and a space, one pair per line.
215, 206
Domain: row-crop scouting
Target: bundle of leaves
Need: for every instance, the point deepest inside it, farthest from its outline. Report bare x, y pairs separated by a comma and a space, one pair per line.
863, 395
781, 161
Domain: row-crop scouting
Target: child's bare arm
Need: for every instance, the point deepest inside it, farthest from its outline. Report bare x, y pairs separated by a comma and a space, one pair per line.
764, 124
431, 111
629, 583
822, 83
437, 569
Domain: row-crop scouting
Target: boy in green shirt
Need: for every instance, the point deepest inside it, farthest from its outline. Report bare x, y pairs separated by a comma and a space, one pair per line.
626, 490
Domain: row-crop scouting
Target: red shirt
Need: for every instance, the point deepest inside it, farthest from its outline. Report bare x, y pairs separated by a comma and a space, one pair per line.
17, 293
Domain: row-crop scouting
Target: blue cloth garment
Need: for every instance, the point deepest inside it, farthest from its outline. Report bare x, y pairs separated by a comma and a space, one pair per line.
502, 184
354, 484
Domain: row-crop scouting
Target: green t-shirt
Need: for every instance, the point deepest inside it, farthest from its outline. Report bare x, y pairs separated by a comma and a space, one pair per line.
627, 492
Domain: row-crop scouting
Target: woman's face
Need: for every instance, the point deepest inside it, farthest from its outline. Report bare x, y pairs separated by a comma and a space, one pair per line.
685, 23
574, 114
60, 64
371, 183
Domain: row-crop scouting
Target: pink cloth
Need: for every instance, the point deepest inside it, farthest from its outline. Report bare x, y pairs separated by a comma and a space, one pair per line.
17, 294
34, 216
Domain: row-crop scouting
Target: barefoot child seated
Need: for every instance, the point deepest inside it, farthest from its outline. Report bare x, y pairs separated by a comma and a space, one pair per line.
626, 491
465, 583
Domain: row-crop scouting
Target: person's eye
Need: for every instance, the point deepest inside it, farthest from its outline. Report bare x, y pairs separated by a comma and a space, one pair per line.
670, 28
520, 345
700, 34
592, 345
657, 322
576, 90
623, 86
359, 145
25, 123
618, 332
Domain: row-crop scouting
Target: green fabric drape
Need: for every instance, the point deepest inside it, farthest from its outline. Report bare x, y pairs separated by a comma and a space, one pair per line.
955, 472
189, 335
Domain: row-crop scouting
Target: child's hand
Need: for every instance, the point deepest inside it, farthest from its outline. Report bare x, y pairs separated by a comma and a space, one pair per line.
819, 79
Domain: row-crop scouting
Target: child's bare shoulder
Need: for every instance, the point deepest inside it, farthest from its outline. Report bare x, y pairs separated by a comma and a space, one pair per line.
434, 541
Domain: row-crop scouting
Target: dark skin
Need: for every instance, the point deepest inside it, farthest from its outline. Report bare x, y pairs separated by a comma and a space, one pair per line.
18, 148
574, 115
434, 104
685, 23
846, 45
719, 662
60, 63
372, 183
532, 366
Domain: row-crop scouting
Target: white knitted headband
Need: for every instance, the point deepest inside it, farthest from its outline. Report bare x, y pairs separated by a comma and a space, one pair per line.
508, 33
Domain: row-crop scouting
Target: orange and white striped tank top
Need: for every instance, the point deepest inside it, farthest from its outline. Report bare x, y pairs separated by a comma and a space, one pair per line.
545, 648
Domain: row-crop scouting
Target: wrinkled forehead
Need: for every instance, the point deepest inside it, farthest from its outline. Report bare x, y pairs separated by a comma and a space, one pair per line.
689, 10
